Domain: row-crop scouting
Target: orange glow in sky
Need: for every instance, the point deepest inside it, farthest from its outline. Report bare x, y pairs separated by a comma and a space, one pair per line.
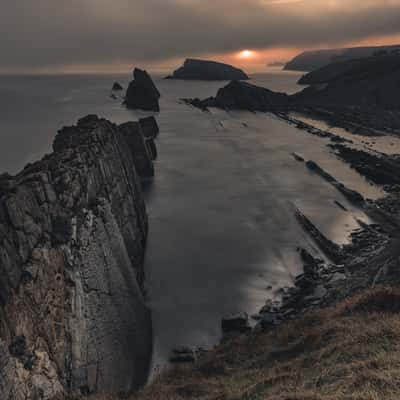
246, 54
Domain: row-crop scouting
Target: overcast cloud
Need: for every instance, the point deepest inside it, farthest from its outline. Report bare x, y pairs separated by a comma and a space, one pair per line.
46, 33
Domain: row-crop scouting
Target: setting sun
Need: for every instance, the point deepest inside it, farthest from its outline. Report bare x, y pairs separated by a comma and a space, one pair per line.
246, 54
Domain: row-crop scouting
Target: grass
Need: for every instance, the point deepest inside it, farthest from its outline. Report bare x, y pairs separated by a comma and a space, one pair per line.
347, 352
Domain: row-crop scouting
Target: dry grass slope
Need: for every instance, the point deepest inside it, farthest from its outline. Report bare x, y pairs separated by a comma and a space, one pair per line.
348, 352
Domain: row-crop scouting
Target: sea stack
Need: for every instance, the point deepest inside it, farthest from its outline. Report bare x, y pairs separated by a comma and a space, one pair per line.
142, 93
117, 87
208, 71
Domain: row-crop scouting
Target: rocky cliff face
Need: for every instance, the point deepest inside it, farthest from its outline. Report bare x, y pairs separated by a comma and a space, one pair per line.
73, 231
367, 82
314, 59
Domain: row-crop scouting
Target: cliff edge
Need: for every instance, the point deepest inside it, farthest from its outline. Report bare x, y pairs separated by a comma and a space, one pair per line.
73, 230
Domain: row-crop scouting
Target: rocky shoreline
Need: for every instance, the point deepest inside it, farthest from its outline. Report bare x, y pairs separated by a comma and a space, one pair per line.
73, 231
370, 259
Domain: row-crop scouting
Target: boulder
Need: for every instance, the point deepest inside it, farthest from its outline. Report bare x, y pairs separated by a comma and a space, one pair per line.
142, 93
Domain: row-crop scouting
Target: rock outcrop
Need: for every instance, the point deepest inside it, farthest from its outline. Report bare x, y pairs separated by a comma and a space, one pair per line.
117, 87
208, 71
244, 96
362, 97
73, 230
377, 168
142, 93
366, 83
150, 131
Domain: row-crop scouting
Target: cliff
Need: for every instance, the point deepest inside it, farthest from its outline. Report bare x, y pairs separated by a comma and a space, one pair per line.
208, 71
73, 230
365, 83
314, 59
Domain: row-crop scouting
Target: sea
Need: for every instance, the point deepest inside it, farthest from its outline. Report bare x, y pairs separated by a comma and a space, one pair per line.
223, 235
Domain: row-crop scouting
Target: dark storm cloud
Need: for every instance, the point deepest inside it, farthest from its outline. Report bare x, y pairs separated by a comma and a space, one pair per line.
35, 33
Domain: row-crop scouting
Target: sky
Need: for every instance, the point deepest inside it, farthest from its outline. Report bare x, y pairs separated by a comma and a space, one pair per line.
115, 35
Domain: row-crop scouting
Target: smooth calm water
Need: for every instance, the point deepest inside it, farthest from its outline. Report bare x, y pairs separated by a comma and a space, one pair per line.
221, 208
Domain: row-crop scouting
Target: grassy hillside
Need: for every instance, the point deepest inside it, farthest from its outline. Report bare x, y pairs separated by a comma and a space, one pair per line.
348, 352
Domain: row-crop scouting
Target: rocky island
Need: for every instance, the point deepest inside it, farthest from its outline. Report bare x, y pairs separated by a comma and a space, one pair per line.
208, 71
73, 231
142, 93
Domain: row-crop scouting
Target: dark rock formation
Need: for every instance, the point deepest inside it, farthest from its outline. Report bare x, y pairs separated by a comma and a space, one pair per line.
351, 195
117, 87
363, 99
311, 129
367, 84
183, 355
142, 158
380, 169
73, 229
335, 70
142, 93
235, 324
208, 71
244, 96
150, 131
312, 60
149, 127
330, 249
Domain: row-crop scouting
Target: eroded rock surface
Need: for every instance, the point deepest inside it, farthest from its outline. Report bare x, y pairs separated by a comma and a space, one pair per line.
73, 229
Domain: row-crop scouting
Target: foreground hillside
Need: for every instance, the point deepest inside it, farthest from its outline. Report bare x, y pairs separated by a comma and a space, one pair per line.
349, 351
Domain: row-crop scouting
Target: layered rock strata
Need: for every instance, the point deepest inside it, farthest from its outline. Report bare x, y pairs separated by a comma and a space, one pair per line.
73, 230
